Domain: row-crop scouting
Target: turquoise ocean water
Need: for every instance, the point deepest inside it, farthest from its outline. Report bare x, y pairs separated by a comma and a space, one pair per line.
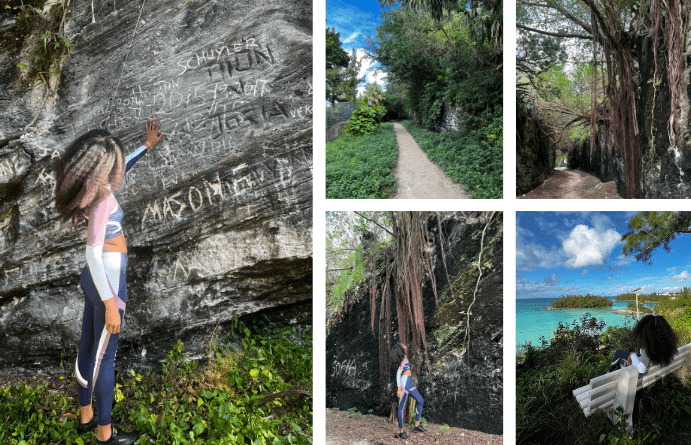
532, 322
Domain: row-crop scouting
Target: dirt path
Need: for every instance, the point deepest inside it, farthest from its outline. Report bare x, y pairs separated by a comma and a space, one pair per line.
418, 177
345, 428
573, 184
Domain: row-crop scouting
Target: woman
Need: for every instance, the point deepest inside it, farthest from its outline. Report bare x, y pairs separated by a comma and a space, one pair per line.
404, 379
86, 175
657, 344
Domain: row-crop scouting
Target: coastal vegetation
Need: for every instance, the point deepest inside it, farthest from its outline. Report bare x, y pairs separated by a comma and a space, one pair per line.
580, 302
642, 309
648, 298
546, 375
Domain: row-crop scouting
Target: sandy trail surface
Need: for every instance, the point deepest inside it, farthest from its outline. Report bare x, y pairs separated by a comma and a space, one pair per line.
345, 428
418, 177
573, 184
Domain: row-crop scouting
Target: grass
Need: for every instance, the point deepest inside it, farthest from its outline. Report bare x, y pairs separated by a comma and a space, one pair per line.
222, 401
359, 167
471, 158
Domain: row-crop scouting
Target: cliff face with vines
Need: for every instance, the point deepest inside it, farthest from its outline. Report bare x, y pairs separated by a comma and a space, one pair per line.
465, 360
218, 218
535, 153
661, 45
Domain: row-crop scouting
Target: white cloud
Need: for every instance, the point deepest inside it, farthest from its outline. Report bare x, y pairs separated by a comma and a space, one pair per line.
552, 279
534, 256
589, 247
684, 276
351, 37
584, 273
546, 287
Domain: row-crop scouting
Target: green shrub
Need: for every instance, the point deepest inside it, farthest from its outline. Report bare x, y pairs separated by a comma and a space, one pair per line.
364, 120
360, 167
546, 375
218, 403
474, 159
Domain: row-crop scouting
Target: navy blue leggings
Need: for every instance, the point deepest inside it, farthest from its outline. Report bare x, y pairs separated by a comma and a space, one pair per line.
620, 358
94, 367
408, 388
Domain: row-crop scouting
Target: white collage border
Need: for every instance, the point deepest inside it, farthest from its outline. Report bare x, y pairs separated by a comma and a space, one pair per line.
509, 205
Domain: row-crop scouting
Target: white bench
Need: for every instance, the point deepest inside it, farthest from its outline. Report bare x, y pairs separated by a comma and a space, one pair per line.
618, 388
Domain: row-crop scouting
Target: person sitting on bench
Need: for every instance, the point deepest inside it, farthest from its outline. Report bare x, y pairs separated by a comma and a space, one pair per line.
657, 345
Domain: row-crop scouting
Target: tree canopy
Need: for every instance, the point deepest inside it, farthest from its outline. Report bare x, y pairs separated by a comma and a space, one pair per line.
650, 230
335, 55
431, 65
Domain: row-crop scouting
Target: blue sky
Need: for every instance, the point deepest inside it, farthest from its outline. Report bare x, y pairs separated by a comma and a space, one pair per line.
561, 253
354, 20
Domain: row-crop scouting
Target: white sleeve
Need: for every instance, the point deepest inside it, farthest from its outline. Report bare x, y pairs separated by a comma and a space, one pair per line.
398, 377
98, 272
637, 363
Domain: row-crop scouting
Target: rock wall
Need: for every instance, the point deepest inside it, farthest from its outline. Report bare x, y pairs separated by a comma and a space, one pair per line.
452, 119
666, 170
467, 384
218, 218
535, 155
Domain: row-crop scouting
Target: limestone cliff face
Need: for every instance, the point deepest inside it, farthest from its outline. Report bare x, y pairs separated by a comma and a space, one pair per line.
535, 155
468, 384
218, 217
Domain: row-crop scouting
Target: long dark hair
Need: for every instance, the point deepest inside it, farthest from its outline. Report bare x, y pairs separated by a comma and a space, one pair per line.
397, 354
656, 336
83, 173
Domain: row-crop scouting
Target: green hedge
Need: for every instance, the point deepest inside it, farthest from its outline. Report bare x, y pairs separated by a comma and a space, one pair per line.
359, 167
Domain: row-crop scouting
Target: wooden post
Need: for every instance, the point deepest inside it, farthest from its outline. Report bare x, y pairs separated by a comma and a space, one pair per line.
686, 367
626, 396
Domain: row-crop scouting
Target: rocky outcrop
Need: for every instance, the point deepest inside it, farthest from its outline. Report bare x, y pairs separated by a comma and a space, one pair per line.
535, 155
468, 384
666, 169
218, 218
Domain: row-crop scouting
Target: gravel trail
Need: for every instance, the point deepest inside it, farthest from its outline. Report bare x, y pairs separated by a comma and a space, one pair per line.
418, 177
573, 184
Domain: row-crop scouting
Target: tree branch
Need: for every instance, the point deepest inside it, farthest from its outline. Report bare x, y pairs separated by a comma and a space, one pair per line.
554, 34
371, 220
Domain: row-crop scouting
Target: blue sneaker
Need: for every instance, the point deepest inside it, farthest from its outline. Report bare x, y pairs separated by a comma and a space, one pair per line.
419, 429
403, 435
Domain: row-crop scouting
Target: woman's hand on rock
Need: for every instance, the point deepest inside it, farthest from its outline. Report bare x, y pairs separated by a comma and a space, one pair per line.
152, 136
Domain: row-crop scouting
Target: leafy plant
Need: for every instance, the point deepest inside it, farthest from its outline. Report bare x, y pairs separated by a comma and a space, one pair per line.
364, 120
360, 167
223, 402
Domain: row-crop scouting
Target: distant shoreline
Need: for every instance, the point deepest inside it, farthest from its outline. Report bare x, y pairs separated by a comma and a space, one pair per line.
628, 312
550, 308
